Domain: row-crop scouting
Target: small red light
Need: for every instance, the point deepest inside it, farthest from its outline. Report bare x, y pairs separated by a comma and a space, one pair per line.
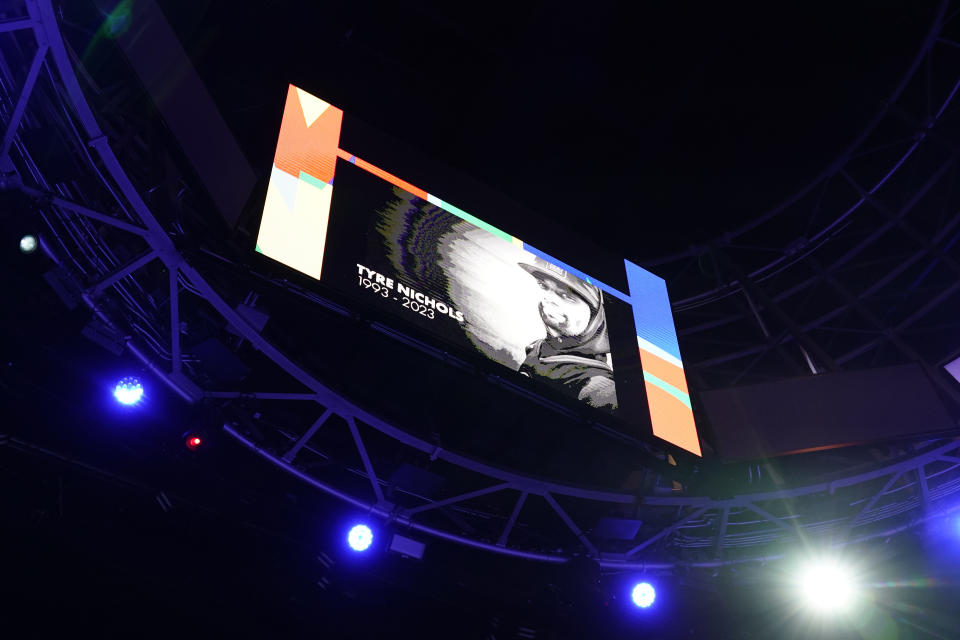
194, 442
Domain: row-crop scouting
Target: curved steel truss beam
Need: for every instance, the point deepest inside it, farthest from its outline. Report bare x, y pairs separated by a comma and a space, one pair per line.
692, 522
933, 37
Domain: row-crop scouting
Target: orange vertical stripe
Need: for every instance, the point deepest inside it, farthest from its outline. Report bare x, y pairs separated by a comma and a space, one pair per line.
392, 179
663, 369
312, 149
672, 420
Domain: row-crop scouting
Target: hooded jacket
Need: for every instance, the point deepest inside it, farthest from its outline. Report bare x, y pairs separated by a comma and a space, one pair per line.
576, 364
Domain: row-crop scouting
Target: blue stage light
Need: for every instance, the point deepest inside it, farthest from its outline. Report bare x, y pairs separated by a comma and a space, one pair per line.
128, 391
643, 594
360, 537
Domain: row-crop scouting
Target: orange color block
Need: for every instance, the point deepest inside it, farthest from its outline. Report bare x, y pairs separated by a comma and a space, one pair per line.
392, 179
312, 149
666, 371
672, 420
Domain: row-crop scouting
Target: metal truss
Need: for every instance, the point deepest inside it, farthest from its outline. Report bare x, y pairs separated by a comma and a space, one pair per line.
858, 268
105, 237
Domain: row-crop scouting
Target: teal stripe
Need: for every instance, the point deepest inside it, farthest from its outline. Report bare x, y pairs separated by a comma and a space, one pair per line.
309, 179
477, 222
669, 388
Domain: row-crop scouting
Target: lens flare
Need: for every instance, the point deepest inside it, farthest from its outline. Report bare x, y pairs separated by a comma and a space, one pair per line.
128, 391
360, 537
643, 594
28, 244
827, 586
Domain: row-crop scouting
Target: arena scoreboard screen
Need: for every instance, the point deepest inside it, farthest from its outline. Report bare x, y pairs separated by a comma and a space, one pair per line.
383, 241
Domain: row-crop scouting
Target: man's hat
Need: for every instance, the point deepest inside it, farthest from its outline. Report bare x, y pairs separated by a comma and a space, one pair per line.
541, 269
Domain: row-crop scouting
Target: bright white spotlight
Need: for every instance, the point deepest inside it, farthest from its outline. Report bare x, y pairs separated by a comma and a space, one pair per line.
360, 537
28, 244
643, 594
128, 391
827, 586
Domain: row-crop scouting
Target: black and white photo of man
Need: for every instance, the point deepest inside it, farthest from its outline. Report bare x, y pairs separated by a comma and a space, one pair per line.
513, 306
575, 353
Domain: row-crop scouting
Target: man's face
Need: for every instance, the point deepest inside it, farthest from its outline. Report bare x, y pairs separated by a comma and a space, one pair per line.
564, 312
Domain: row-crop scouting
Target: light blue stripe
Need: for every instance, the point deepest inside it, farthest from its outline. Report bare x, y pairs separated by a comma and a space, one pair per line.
309, 179
580, 274
472, 219
669, 388
434, 200
646, 345
651, 309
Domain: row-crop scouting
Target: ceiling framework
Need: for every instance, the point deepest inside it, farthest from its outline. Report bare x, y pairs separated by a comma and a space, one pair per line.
858, 269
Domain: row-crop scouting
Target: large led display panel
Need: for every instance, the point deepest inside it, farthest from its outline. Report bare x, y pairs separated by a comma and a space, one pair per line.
379, 239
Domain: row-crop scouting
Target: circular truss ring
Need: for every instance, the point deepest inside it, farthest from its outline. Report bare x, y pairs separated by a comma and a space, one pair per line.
701, 520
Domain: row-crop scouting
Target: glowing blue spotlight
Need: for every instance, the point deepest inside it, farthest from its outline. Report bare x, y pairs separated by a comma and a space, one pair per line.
360, 537
643, 595
128, 391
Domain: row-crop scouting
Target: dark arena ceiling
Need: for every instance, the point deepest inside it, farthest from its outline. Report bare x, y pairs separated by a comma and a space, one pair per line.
789, 170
